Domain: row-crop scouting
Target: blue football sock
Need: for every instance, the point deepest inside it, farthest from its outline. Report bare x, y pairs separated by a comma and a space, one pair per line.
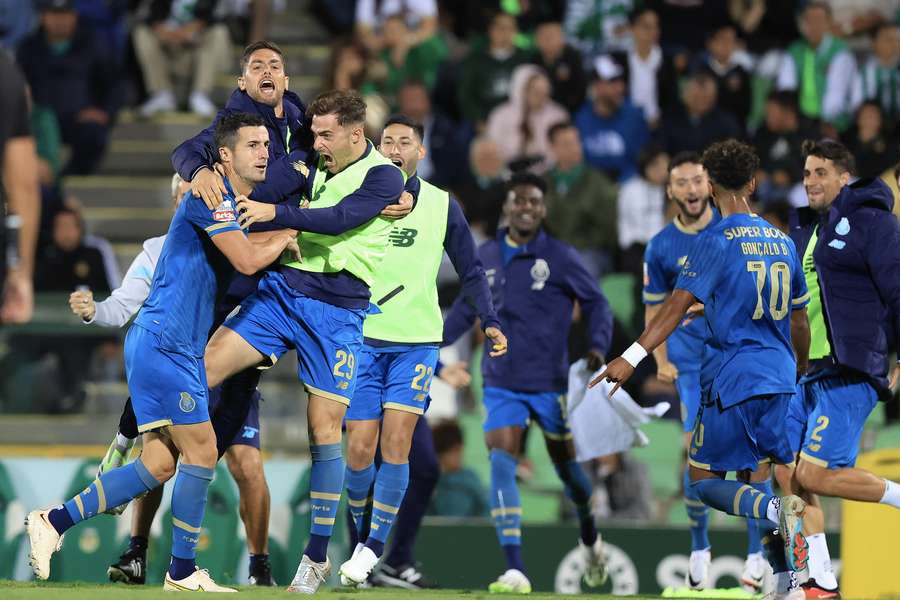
755, 526
733, 497
359, 490
506, 508
112, 489
390, 487
698, 513
325, 486
578, 489
513, 553
188, 505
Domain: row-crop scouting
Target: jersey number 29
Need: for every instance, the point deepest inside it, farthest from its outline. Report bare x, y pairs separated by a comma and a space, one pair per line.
779, 285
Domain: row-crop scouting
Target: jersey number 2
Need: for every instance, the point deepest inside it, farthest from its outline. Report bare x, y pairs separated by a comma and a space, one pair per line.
779, 284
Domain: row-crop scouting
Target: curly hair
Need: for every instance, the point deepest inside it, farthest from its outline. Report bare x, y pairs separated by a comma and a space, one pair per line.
730, 164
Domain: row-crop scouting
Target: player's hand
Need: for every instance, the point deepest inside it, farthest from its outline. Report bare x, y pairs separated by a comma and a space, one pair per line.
18, 298
403, 207
618, 372
595, 359
291, 245
251, 211
695, 311
666, 372
82, 304
499, 346
456, 375
209, 185
895, 376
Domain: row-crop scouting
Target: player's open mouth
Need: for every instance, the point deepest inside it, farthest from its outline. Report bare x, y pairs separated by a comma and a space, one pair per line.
267, 85
398, 162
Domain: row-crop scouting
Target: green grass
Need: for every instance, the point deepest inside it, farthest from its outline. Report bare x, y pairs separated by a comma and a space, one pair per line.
13, 590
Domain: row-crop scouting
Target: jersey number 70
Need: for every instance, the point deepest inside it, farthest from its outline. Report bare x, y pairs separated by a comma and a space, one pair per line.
780, 286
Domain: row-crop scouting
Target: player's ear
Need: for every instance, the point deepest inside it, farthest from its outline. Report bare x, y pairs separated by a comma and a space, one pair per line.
845, 178
242, 83
752, 187
225, 154
287, 81
422, 150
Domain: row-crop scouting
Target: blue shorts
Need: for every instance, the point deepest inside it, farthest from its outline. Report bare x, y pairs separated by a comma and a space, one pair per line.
802, 404
741, 437
166, 387
841, 403
390, 378
235, 424
278, 318
688, 387
506, 408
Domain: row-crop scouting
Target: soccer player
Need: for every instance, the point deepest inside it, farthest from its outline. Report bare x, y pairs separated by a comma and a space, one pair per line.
537, 280
747, 275
164, 363
240, 445
678, 359
850, 245
399, 356
317, 305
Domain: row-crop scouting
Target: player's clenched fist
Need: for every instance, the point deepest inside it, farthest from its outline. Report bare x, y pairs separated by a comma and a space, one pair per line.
82, 304
499, 346
618, 372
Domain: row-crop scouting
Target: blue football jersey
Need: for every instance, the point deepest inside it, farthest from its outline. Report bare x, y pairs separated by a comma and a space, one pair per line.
665, 256
190, 276
748, 275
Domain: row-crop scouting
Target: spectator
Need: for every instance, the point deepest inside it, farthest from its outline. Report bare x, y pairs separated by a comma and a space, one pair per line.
347, 69
870, 141
487, 72
879, 77
107, 18
612, 129
853, 18
731, 67
421, 17
532, 13
686, 23
562, 62
778, 143
482, 193
69, 263
651, 74
69, 71
398, 61
17, 20
459, 491
581, 201
519, 126
641, 214
766, 25
598, 26
183, 38
446, 149
820, 68
701, 122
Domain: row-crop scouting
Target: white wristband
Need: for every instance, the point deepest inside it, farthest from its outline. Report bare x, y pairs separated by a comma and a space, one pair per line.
634, 355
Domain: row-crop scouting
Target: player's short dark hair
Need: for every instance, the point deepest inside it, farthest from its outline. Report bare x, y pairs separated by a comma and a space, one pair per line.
260, 45
447, 435
556, 128
828, 149
228, 126
347, 105
526, 178
400, 119
730, 164
683, 158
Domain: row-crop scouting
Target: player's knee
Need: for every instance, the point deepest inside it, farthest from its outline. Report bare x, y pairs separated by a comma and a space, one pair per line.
246, 469
395, 446
162, 472
360, 452
325, 431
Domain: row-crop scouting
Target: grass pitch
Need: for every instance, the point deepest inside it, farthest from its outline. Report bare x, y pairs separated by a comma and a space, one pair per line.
17, 590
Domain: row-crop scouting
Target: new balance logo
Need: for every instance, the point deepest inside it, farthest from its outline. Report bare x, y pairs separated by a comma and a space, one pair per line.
403, 238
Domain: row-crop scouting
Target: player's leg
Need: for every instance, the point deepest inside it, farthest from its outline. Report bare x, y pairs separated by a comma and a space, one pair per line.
688, 387
828, 456
398, 566
45, 528
246, 466
228, 353
737, 439
120, 447
131, 567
